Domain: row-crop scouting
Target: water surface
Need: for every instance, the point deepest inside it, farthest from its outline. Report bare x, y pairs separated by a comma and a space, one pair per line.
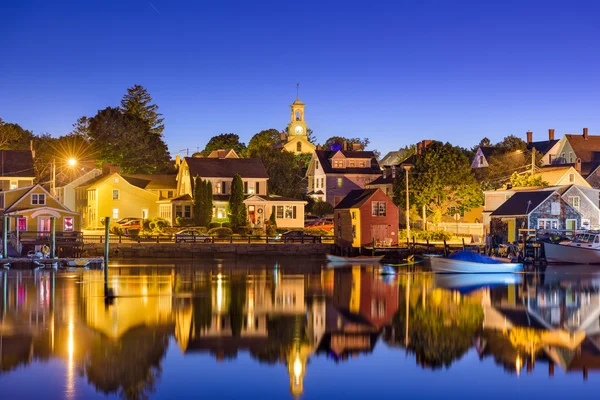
288, 329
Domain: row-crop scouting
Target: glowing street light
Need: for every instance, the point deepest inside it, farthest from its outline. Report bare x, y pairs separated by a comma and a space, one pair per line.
72, 162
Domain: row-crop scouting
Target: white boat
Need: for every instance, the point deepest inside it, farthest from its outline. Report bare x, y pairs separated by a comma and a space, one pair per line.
354, 260
472, 263
583, 249
467, 282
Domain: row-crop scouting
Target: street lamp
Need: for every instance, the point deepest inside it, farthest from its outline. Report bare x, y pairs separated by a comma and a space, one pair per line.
407, 168
71, 162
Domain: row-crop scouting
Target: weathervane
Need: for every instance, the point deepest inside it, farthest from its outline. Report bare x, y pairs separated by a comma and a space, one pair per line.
297, 89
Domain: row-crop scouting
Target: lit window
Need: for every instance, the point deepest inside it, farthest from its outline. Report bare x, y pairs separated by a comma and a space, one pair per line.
22, 224
38, 199
187, 211
374, 208
115, 180
115, 213
279, 212
571, 177
352, 163
340, 182
115, 193
382, 210
14, 184
68, 224
362, 164
289, 212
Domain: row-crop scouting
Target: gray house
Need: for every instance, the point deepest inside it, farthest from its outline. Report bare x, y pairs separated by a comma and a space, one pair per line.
544, 208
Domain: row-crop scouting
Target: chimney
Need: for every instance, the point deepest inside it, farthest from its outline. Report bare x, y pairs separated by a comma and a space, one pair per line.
578, 165
283, 136
529, 136
384, 173
585, 133
319, 147
177, 161
550, 134
31, 148
419, 146
345, 146
356, 147
108, 169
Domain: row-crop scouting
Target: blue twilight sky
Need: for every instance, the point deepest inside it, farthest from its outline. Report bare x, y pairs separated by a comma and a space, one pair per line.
393, 71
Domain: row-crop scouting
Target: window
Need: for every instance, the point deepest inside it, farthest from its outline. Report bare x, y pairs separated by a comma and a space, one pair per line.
353, 214
279, 212
571, 177
299, 147
339, 215
14, 184
245, 186
317, 165
339, 231
574, 201
170, 193
555, 208
144, 213
352, 163
115, 194
550, 158
374, 208
115, 180
361, 164
290, 212
382, 210
165, 211
354, 231
38, 199
340, 182
545, 223
562, 156
68, 225
480, 161
571, 158
378, 208
338, 163
178, 211
257, 187
22, 224
115, 213
322, 183
187, 211
585, 224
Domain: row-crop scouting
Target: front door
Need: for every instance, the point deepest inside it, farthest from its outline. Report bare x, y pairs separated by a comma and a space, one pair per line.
511, 231
571, 224
44, 225
252, 214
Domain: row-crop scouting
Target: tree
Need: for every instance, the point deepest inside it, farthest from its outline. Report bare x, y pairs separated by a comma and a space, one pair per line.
321, 208
224, 141
236, 207
13, 137
527, 180
264, 139
207, 213
440, 180
81, 127
311, 136
138, 102
202, 201
337, 143
126, 140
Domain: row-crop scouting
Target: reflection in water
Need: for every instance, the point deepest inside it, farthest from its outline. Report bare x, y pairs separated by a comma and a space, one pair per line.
286, 316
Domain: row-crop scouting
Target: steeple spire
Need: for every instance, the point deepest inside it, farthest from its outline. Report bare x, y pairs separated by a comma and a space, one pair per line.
297, 89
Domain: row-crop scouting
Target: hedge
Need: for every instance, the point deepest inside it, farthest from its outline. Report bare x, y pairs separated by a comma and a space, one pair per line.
433, 236
220, 232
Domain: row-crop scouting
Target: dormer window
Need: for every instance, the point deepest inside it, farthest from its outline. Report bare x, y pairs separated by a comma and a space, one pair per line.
338, 163
38, 199
352, 163
361, 164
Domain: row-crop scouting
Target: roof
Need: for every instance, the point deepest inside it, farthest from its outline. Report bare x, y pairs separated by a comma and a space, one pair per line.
585, 149
298, 102
553, 174
154, 181
16, 163
356, 198
223, 153
226, 168
522, 203
324, 157
487, 151
183, 197
542, 147
391, 158
278, 198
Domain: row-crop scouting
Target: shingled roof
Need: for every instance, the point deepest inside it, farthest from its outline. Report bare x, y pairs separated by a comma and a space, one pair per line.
356, 198
522, 203
587, 149
17, 163
372, 167
542, 147
226, 167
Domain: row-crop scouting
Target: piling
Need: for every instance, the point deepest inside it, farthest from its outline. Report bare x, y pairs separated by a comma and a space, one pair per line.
5, 236
53, 237
445, 249
106, 249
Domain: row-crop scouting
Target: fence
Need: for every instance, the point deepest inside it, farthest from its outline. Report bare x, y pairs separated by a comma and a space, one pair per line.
460, 228
210, 239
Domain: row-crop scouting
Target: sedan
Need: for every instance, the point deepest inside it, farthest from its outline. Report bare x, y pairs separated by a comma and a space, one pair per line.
191, 235
298, 237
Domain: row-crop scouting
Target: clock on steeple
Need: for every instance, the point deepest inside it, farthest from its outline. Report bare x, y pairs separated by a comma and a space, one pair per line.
297, 136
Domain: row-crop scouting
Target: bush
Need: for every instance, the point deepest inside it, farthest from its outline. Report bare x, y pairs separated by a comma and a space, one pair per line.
318, 232
133, 232
180, 221
321, 208
214, 225
258, 232
432, 236
241, 230
220, 232
156, 225
226, 224
116, 229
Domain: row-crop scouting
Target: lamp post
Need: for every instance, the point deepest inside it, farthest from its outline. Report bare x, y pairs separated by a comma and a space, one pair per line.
407, 168
71, 162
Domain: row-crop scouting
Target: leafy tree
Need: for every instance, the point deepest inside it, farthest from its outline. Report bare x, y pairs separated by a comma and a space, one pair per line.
440, 180
125, 139
137, 101
321, 208
236, 206
511, 143
202, 201
81, 127
264, 139
485, 142
527, 180
285, 175
224, 141
337, 143
13, 137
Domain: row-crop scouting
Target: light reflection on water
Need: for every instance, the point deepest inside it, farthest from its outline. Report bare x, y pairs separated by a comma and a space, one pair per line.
219, 322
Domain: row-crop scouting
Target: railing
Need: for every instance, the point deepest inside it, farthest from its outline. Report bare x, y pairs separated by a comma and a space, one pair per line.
88, 239
45, 237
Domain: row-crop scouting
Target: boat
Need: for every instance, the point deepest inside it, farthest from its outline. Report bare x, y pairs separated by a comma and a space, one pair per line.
465, 262
354, 260
78, 262
583, 249
466, 283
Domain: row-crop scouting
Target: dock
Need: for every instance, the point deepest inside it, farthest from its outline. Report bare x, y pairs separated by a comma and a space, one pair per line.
34, 262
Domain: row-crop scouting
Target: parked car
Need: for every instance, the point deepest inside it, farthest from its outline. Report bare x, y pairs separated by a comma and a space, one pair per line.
297, 236
131, 223
192, 235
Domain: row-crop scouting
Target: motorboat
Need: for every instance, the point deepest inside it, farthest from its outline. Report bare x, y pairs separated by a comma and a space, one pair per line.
466, 262
583, 249
354, 260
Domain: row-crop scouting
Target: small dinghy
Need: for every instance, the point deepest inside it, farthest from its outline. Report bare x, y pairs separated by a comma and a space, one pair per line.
466, 262
354, 260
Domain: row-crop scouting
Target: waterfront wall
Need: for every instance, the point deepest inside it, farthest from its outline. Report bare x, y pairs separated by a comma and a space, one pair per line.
201, 250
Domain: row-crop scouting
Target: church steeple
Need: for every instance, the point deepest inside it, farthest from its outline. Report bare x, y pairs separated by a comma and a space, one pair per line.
297, 136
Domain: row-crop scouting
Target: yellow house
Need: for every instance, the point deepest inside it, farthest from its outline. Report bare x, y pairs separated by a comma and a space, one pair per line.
116, 196
32, 209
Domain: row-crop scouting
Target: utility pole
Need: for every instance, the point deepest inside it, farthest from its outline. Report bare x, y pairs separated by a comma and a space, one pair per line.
53, 191
532, 161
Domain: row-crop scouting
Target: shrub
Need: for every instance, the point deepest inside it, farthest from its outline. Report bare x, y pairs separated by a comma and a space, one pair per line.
241, 230
258, 232
220, 232
317, 232
321, 208
156, 225
133, 232
214, 225
180, 221
116, 229
433, 236
226, 224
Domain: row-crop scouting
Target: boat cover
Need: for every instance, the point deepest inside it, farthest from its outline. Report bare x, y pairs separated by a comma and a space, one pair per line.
470, 256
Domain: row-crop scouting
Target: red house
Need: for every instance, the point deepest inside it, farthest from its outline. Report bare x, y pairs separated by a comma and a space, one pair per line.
363, 216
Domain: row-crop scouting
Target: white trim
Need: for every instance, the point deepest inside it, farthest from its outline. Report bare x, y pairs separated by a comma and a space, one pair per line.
42, 208
48, 195
44, 212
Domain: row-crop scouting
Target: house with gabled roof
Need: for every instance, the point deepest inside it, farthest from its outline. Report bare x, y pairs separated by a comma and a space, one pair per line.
482, 157
364, 216
16, 169
546, 148
332, 174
